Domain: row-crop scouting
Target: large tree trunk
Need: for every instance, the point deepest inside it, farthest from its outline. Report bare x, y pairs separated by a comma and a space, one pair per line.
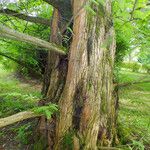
82, 83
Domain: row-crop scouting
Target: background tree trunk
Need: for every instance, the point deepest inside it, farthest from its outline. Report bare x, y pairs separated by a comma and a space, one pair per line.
82, 83
54, 80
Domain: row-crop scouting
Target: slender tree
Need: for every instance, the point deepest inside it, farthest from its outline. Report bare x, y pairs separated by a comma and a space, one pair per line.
79, 79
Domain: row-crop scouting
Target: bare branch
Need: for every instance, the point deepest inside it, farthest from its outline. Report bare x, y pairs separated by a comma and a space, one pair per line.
15, 35
22, 16
17, 117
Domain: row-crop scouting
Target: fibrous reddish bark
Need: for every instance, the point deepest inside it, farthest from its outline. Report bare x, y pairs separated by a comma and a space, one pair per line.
90, 69
86, 101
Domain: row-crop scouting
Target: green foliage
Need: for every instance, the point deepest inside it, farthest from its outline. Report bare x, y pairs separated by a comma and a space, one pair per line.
16, 102
90, 10
124, 30
15, 99
137, 145
146, 67
128, 76
19, 50
144, 56
96, 2
132, 27
123, 132
132, 31
23, 133
46, 110
122, 46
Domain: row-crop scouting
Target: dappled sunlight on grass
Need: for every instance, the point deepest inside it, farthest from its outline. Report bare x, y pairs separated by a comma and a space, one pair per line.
134, 111
127, 76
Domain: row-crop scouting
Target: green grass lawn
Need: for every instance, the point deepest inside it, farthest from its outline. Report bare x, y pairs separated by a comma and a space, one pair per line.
134, 111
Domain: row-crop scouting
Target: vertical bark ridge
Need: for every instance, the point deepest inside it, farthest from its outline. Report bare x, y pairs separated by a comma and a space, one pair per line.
91, 60
107, 126
90, 121
52, 70
76, 66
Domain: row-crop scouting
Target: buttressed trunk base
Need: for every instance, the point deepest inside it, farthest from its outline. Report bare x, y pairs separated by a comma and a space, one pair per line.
82, 83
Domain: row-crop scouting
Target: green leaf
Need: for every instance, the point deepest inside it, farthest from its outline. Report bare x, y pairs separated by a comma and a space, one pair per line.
46, 110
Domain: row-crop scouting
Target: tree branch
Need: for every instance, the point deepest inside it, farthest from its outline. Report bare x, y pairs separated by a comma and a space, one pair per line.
63, 6
15, 35
139, 8
22, 16
17, 117
134, 6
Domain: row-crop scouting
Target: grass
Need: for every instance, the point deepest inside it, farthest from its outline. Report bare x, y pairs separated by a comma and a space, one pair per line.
16, 96
128, 76
134, 111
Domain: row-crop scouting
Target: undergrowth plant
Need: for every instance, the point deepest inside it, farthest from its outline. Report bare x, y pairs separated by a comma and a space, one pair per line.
47, 111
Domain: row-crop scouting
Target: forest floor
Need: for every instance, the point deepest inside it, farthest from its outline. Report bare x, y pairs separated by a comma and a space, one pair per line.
134, 111
17, 95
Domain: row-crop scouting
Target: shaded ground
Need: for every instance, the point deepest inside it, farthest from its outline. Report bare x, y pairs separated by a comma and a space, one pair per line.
18, 136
